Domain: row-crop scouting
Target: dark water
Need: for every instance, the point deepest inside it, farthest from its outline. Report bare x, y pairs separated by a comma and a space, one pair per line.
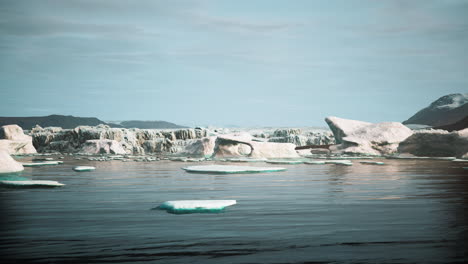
408, 211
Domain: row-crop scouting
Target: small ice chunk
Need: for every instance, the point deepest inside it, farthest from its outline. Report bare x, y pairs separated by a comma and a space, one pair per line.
196, 206
230, 169
315, 162
38, 164
84, 168
285, 161
31, 183
339, 162
372, 162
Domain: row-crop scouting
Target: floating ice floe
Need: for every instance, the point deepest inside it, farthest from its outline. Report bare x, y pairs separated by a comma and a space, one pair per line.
84, 168
372, 162
315, 162
230, 169
196, 206
38, 164
285, 161
460, 160
245, 160
339, 162
350, 158
31, 183
409, 157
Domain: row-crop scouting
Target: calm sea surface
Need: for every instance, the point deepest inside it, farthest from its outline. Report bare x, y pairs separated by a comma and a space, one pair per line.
408, 211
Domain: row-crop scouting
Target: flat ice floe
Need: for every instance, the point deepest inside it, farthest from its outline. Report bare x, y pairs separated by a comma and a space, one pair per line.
339, 162
245, 160
230, 169
38, 164
31, 183
315, 162
196, 206
84, 168
285, 161
372, 162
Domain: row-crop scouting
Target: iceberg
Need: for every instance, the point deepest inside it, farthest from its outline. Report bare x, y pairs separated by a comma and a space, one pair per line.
38, 164
8, 164
31, 183
372, 162
230, 169
196, 206
84, 168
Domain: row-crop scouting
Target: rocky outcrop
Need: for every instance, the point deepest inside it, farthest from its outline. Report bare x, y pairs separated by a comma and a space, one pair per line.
460, 125
365, 138
436, 143
343, 127
242, 145
102, 146
446, 110
14, 141
8, 164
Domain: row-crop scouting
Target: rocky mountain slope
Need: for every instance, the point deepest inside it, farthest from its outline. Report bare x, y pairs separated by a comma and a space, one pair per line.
446, 110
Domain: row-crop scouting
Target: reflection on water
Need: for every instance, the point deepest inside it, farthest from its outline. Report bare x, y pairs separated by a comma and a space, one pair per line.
407, 211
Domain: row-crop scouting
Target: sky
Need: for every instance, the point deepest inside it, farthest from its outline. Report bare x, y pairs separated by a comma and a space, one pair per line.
231, 63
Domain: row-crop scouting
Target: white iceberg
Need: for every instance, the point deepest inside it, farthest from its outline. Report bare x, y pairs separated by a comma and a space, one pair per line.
230, 169
31, 183
84, 168
196, 206
8, 164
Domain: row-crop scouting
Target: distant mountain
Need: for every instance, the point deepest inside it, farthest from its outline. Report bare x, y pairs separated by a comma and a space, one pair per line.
446, 110
72, 122
149, 124
460, 125
51, 120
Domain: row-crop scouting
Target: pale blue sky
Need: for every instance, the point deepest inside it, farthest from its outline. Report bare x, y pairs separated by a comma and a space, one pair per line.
245, 63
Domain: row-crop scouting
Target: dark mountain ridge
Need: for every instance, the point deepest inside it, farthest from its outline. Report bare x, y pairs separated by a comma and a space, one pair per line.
68, 121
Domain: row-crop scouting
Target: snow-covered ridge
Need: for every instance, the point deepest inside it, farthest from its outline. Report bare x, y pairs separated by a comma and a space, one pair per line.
451, 101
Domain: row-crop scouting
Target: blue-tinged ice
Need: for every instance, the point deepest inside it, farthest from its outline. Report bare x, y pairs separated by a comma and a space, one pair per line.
315, 162
84, 168
38, 164
31, 183
285, 161
196, 206
230, 169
